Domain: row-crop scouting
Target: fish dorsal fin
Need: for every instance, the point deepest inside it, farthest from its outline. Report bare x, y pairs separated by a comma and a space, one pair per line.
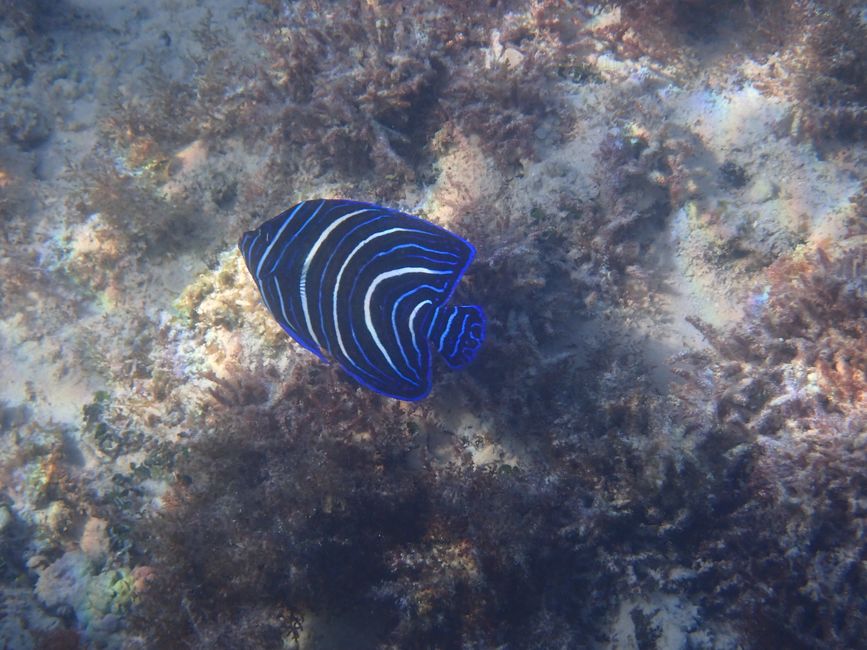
457, 332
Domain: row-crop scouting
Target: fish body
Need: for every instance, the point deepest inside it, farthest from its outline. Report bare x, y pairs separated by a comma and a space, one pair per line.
367, 287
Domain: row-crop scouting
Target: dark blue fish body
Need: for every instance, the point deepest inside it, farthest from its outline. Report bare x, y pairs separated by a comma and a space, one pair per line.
368, 287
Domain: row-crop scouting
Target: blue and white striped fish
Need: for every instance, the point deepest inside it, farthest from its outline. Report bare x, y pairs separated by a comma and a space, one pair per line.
367, 286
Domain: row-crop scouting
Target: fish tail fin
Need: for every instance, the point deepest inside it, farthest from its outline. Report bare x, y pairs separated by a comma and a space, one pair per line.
457, 332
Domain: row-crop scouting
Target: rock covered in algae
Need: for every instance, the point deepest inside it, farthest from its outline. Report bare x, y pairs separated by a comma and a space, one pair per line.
72, 584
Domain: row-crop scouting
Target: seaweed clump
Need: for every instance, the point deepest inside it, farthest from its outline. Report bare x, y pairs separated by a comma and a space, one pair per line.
126, 222
831, 81
672, 31
815, 51
332, 503
359, 90
791, 383
278, 513
366, 86
387, 520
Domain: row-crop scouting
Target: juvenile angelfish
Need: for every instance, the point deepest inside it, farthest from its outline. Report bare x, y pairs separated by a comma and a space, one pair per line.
367, 287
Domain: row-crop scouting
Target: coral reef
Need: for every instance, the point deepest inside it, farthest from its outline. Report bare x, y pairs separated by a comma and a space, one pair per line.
98, 600
77, 574
176, 472
446, 552
471, 548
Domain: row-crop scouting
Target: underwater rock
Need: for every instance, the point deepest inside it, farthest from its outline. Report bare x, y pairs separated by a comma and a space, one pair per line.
23, 624
63, 583
71, 585
27, 125
94, 542
762, 190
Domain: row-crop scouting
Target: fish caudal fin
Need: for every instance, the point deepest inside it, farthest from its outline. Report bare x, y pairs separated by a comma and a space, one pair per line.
457, 333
